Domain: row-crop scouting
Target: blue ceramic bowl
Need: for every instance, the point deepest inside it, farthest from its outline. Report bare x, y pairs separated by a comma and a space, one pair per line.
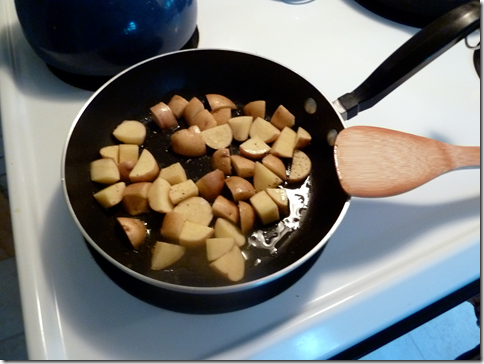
103, 37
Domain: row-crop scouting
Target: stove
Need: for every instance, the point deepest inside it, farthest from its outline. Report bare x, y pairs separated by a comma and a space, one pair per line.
388, 259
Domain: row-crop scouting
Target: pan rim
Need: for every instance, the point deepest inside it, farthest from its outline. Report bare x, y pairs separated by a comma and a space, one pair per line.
230, 287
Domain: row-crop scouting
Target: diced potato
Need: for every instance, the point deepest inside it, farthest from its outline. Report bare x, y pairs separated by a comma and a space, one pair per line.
231, 265
174, 173
223, 207
276, 165
211, 185
110, 151
264, 130
195, 209
158, 196
226, 229
163, 116
146, 169
240, 188
284, 145
218, 137
282, 118
303, 138
265, 207
254, 148
221, 160
216, 247
189, 142
217, 102
194, 235
279, 196
128, 153
111, 195
244, 167
172, 226
240, 126
134, 229
135, 198
204, 120
165, 254
264, 178
256, 109
104, 171
177, 104
300, 167
222, 116
247, 217
131, 132
182, 191
191, 109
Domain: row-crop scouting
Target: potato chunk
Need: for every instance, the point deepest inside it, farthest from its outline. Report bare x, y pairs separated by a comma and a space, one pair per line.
194, 235
264, 178
177, 105
195, 209
303, 138
223, 207
163, 116
111, 195
134, 229
264, 130
221, 160
282, 118
240, 188
189, 142
216, 247
174, 173
165, 254
226, 229
159, 196
265, 207
284, 145
256, 109
231, 265
244, 167
211, 184
240, 126
131, 132
104, 171
218, 137
217, 102
254, 148
110, 151
135, 198
182, 191
172, 226
300, 167
146, 169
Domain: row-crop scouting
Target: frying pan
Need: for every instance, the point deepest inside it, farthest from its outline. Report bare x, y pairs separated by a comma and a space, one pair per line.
243, 78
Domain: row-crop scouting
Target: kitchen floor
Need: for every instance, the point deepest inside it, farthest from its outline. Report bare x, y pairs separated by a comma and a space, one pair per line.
443, 338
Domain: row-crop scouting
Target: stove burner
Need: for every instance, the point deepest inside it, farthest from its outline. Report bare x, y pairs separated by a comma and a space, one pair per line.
414, 13
92, 83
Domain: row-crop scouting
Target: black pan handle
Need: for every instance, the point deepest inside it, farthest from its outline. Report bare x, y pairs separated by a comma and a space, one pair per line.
411, 57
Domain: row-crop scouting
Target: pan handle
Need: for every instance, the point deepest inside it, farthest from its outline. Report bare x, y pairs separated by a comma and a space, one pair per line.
411, 57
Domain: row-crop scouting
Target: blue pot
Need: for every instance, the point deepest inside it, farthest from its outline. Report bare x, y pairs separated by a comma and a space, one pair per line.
103, 37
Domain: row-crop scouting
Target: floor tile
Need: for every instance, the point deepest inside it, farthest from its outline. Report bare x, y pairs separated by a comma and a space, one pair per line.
11, 322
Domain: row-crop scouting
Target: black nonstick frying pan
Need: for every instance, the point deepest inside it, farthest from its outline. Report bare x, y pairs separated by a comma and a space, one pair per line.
243, 78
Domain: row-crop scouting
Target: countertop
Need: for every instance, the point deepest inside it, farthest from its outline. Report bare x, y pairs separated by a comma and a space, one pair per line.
389, 258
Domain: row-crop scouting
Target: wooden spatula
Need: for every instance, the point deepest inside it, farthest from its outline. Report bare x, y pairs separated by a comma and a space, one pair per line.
377, 162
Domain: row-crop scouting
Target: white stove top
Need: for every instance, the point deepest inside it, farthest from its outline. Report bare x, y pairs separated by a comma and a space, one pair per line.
389, 258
